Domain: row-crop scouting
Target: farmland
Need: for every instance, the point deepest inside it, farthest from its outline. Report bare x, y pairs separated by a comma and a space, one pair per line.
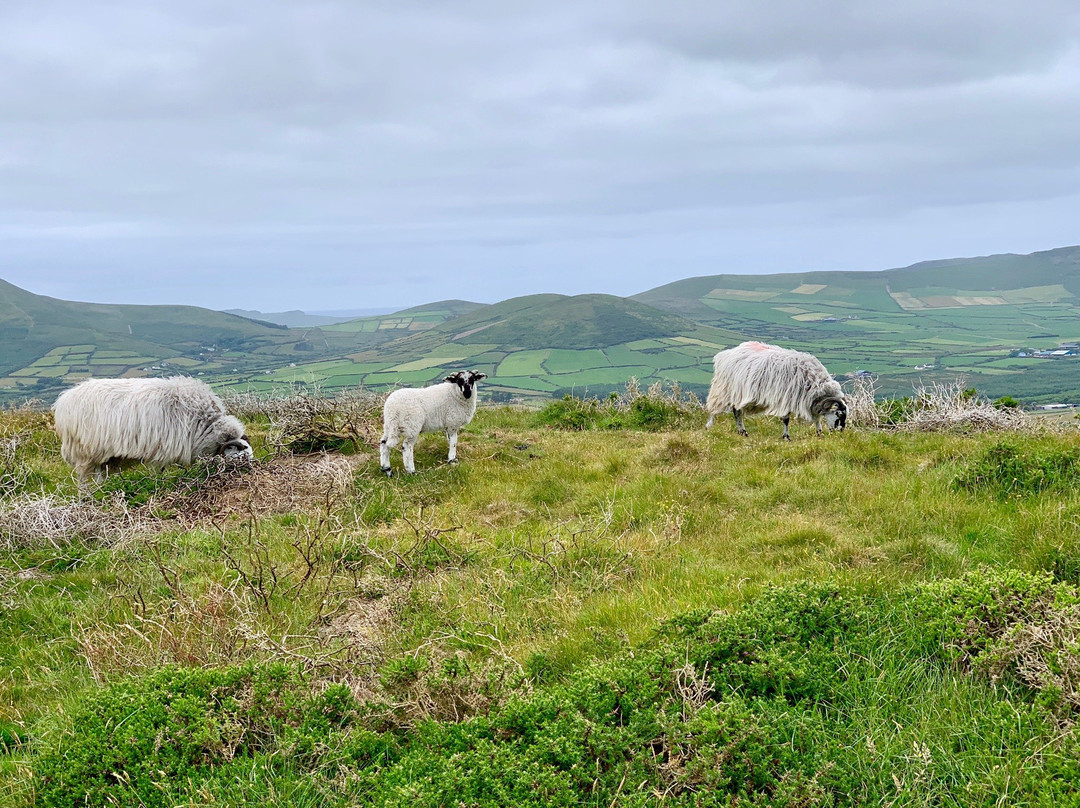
908, 327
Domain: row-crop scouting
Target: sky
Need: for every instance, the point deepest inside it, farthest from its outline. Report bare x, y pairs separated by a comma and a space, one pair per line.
349, 154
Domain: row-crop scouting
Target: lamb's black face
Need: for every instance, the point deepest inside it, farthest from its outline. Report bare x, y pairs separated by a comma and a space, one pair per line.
466, 380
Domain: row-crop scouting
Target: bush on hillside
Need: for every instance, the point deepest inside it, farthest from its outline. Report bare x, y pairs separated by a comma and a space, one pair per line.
654, 409
783, 702
1009, 469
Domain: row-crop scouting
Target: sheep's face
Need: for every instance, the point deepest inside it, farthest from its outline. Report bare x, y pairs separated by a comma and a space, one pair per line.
239, 448
466, 380
232, 441
833, 412
836, 417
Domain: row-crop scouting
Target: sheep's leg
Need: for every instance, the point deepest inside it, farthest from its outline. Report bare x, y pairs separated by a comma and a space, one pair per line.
709, 423
738, 422
786, 420
451, 439
83, 473
817, 423
407, 455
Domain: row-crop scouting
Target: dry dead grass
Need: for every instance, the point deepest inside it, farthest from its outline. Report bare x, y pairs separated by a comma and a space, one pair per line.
1044, 654
284, 484
35, 521
310, 421
941, 407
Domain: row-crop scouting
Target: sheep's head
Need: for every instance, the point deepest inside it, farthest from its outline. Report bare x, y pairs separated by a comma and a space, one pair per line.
232, 441
833, 410
466, 380
239, 448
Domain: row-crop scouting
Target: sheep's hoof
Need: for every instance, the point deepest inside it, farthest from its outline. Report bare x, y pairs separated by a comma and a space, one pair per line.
387, 471
786, 437
452, 461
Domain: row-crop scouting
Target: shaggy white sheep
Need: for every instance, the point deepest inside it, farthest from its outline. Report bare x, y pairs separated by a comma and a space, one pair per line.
755, 377
444, 407
106, 424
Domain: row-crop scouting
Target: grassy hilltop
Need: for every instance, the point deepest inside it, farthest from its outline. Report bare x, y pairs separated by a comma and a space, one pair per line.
602, 604
909, 327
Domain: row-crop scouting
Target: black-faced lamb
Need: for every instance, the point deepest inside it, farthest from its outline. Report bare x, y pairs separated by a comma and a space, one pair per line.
107, 424
755, 377
445, 407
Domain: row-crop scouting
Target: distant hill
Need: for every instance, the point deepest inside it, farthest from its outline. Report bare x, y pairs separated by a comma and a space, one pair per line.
533, 346
34, 326
968, 316
983, 318
557, 321
296, 318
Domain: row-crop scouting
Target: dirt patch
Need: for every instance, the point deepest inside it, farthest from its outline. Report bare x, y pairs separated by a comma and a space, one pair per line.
284, 484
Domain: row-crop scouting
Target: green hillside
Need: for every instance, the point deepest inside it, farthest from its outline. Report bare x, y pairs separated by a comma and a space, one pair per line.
982, 318
966, 316
534, 346
48, 344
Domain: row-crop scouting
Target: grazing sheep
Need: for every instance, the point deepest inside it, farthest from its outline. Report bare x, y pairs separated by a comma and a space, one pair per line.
106, 424
755, 377
444, 407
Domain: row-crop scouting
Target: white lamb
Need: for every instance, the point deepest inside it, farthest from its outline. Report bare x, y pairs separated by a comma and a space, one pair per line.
755, 377
445, 407
106, 424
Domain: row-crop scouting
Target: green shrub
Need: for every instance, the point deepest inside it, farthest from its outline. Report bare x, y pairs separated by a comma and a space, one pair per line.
137, 742
575, 414
652, 410
894, 411
1010, 470
807, 695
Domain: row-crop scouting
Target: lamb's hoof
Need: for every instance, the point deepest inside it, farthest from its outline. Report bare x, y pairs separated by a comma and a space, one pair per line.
387, 471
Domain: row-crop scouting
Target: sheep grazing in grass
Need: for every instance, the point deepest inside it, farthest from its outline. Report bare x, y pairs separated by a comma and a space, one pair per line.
107, 424
445, 407
755, 377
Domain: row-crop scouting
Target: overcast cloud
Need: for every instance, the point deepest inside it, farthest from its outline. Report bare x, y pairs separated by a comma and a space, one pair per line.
319, 155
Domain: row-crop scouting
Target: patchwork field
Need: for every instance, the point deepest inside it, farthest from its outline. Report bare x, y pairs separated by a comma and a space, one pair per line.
907, 327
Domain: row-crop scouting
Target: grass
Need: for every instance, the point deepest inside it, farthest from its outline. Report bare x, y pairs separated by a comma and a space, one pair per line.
638, 612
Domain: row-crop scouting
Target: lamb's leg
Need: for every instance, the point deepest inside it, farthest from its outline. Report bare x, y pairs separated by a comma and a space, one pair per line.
451, 439
786, 420
407, 455
738, 422
384, 456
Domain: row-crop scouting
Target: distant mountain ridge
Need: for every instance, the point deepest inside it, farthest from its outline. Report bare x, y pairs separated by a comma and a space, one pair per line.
977, 317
